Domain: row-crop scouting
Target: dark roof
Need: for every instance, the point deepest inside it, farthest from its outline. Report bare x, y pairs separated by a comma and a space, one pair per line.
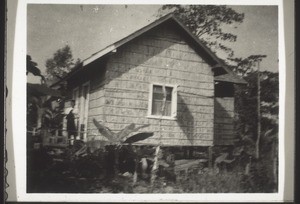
168, 17
230, 78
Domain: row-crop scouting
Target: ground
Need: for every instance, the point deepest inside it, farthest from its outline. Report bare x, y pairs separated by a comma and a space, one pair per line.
50, 174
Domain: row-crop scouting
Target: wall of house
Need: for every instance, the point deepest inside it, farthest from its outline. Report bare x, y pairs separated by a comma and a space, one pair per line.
158, 56
94, 74
224, 121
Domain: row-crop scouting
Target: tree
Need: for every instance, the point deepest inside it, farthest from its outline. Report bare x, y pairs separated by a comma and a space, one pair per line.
31, 67
246, 105
61, 63
244, 67
33, 102
207, 21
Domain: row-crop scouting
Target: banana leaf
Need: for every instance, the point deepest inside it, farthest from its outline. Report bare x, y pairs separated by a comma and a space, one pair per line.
129, 129
104, 131
139, 137
143, 126
126, 131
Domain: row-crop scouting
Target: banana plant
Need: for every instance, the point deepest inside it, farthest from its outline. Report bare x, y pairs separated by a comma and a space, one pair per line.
122, 137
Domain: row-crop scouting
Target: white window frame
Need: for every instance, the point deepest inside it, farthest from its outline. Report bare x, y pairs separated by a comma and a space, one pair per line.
173, 102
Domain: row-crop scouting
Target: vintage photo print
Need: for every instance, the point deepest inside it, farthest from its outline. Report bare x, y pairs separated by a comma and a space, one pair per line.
123, 101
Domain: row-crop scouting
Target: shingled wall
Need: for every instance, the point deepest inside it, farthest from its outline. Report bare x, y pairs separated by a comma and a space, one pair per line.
159, 56
224, 121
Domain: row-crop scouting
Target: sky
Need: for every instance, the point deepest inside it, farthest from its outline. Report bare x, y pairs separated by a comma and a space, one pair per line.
89, 28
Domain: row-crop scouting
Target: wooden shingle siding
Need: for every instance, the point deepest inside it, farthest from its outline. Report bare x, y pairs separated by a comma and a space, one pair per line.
224, 121
160, 56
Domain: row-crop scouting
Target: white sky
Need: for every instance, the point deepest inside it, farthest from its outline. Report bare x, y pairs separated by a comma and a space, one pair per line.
89, 28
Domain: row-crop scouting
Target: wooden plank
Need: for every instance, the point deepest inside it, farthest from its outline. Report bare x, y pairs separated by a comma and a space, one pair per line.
185, 164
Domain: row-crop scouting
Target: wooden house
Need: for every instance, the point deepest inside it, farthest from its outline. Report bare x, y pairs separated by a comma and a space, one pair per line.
162, 66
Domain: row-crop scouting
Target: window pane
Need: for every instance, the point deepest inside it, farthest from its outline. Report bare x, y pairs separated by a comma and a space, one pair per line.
158, 96
157, 93
169, 93
158, 99
157, 89
156, 107
168, 108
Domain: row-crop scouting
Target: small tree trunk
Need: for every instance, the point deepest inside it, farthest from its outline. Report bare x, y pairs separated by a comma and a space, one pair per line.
257, 144
135, 170
155, 166
248, 167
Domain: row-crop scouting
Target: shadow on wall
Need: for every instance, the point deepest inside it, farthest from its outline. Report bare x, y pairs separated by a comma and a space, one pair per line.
185, 119
224, 121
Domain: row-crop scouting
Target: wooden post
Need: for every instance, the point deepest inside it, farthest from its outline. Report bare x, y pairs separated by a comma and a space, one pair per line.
210, 157
155, 165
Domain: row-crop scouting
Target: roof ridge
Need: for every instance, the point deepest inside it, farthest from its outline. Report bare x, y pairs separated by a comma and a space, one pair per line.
163, 18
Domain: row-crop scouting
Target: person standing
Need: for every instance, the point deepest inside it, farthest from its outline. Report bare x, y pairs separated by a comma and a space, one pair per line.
71, 126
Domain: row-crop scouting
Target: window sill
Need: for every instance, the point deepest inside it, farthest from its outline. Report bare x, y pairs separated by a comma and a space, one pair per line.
161, 117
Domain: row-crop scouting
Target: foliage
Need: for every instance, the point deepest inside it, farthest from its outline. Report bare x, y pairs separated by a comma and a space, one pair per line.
269, 86
207, 21
122, 136
61, 63
246, 102
53, 114
31, 67
246, 98
261, 176
33, 102
247, 65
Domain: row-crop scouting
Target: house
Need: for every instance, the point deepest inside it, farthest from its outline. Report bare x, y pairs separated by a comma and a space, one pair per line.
160, 75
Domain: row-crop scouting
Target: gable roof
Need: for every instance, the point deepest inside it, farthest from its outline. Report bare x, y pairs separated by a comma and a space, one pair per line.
169, 17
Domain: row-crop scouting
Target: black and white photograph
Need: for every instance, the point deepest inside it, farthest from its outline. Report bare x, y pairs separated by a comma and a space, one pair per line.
148, 99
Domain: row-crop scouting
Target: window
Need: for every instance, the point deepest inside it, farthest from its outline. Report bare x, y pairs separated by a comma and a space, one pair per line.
162, 101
